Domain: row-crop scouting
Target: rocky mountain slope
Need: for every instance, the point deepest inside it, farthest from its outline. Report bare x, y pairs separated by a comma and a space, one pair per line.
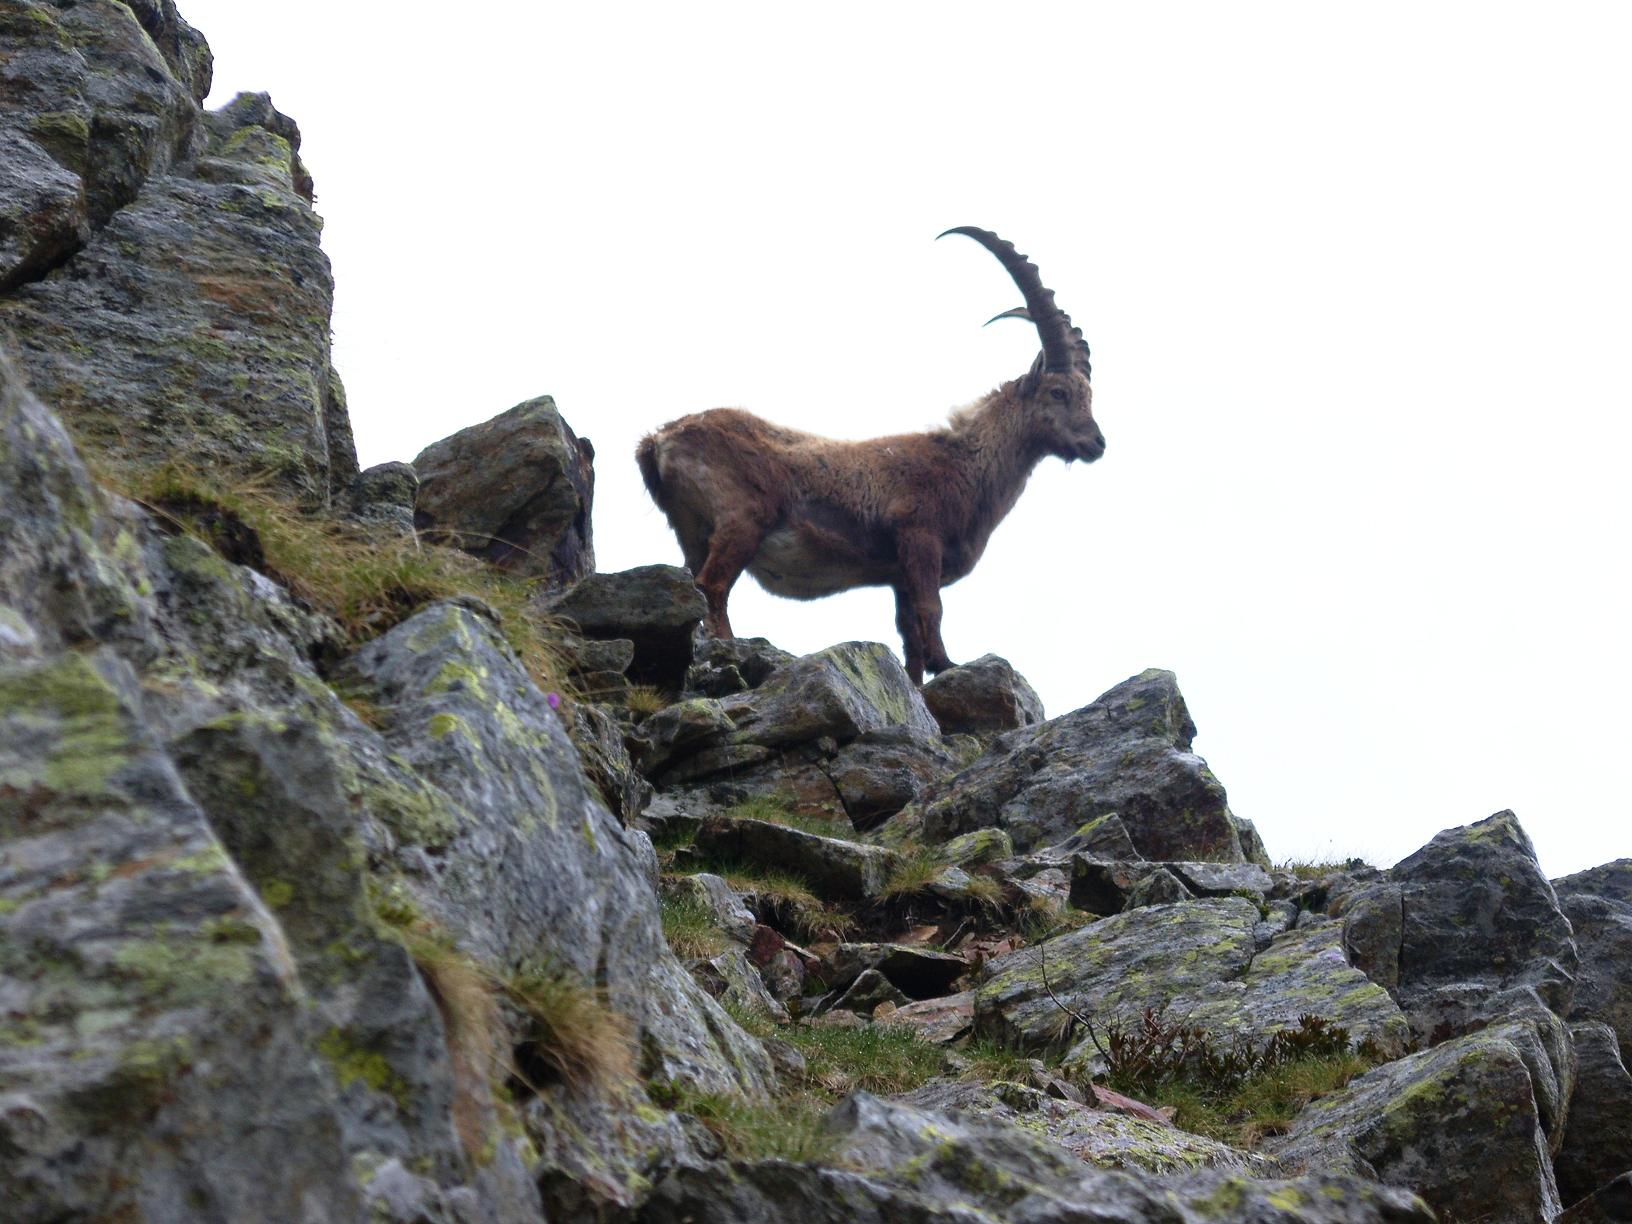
364, 855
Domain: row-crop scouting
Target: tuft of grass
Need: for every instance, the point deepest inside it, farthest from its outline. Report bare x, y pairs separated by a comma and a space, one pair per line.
368, 582
464, 994
690, 929
788, 1128
916, 871
572, 1033
786, 894
988, 1061
1236, 1090
1320, 868
878, 1058
645, 699
1261, 1105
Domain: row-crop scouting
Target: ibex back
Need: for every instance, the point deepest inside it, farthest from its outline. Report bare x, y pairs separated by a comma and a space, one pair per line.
809, 516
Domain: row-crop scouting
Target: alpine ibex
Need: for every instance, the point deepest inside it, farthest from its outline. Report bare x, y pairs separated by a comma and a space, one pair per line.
809, 516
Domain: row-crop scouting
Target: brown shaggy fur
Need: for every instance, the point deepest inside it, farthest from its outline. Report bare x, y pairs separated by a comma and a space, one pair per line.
809, 516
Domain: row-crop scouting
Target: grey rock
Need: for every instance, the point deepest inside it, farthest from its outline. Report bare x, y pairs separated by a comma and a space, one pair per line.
516, 490
1457, 1123
193, 325
1112, 971
1597, 1145
1479, 927
982, 697
863, 995
384, 496
977, 848
1159, 887
1224, 879
882, 771
719, 899
893, 1163
1128, 753
657, 607
1094, 1136
842, 692
677, 731
722, 666
1598, 904
733, 979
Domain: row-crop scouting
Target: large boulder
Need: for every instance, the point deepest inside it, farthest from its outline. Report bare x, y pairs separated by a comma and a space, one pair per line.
982, 697
842, 692
1457, 1123
895, 1163
1127, 754
1464, 932
192, 325
838, 869
516, 490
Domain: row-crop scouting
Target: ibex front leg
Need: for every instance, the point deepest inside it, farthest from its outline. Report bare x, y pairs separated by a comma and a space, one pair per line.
730, 549
918, 603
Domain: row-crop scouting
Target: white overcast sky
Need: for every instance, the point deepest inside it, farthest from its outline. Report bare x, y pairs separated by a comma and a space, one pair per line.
1356, 279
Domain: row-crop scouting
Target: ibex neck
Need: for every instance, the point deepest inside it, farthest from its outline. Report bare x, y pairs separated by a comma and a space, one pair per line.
1003, 452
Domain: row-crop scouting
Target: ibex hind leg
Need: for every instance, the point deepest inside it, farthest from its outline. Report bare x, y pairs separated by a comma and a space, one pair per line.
730, 549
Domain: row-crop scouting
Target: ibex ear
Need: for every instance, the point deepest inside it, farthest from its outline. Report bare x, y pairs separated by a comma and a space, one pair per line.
1028, 384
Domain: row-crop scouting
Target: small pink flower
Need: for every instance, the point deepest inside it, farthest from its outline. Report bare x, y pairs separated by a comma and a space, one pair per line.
554, 699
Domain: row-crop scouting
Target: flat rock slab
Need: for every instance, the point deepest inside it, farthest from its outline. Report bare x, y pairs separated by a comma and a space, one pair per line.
1127, 754
836, 870
1094, 1136
937, 1020
657, 607
517, 490
1113, 970
1456, 1123
895, 1163
982, 697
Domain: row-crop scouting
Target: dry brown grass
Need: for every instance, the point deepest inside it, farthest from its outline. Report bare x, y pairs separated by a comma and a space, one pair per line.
367, 581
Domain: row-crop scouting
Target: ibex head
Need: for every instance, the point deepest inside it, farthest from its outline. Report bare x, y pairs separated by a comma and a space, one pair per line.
1055, 393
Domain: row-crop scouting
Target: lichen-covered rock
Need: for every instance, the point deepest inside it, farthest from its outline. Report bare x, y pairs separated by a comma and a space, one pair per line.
893, 1163
842, 692
1127, 754
383, 497
1094, 1136
1597, 1145
193, 326
155, 1051
1598, 904
1301, 973
1112, 971
516, 490
982, 697
657, 607
1479, 930
1457, 1123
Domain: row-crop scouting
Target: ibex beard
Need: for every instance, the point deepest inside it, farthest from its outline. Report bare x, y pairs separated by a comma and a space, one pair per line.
810, 516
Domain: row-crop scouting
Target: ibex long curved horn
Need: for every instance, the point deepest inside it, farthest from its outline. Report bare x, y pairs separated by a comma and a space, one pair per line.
1063, 344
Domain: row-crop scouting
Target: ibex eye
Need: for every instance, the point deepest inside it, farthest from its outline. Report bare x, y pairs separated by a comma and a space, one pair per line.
1055, 393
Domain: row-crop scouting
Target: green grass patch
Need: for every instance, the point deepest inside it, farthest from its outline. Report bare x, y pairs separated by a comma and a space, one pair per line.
1261, 1105
788, 1128
690, 928
916, 871
773, 809
793, 904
